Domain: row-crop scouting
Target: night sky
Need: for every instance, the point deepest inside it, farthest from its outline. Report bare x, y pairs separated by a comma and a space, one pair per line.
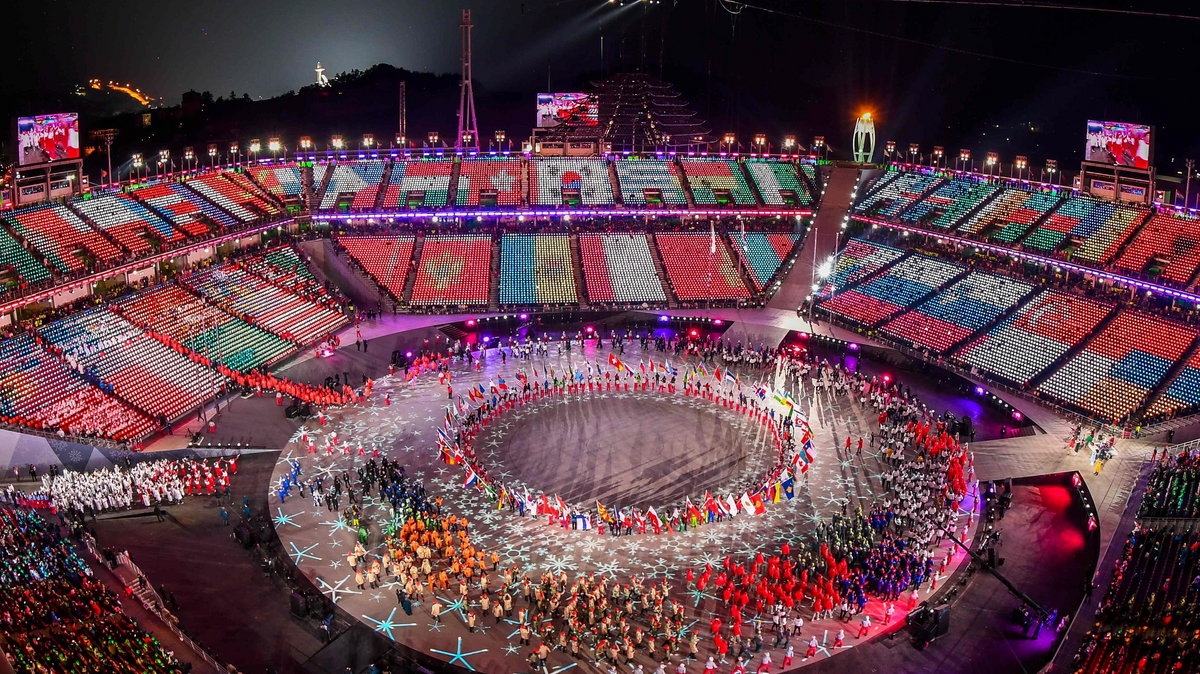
1016, 80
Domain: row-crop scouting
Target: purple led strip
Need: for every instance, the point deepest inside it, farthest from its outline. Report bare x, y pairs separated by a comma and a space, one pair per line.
550, 213
1154, 287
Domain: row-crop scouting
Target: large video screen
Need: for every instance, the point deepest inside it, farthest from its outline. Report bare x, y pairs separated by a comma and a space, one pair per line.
45, 138
555, 109
1118, 143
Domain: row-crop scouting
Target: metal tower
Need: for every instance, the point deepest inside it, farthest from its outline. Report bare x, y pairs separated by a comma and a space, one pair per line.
468, 125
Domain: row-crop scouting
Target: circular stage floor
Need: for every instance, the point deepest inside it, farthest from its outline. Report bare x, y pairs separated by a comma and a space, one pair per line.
553, 449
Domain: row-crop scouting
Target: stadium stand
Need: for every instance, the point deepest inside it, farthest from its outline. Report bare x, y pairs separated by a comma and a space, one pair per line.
506, 177
1041, 331
1010, 214
172, 311
962, 207
359, 181
111, 352
1060, 224
245, 191
959, 311
60, 617
267, 306
125, 220
1182, 393
234, 199
1117, 369
1147, 621
454, 269
697, 273
895, 289
41, 392
937, 202
61, 236
637, 177
1103, 238
14, 257
430, 178
385, 258
707, 177
220, 215
619, 268
171, 200
551, 176
763, 253
889, 198
774, 178
283, 267
857, 260
282, 181
1167, 244
536, 269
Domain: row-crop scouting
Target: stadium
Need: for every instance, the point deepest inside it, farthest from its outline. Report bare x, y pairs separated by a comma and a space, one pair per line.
626, 394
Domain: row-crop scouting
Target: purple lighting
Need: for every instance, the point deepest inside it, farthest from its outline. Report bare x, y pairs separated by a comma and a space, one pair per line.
664, 319
718, 321
523, 316
852, 346
979, 391
408, 354
486, 339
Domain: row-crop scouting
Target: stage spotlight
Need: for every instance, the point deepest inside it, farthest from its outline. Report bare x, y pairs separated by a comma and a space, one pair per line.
523, 316
1017, 415
852, 346
887, 378
408, 354
979, 391
589, 329
717, 321
694, 332
486, 339
470, 322
664, 319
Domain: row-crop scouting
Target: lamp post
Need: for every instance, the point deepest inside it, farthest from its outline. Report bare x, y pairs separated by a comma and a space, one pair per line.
255, 148
235, 153
1051, 168
727, 141
400, 141
432, 139
189, 158
760, 141
789, 144
499, 137
274, 145
337, 142
164, 157
368, 141
939, 153
993, 163
1019, 165
212, 155
137, 164
914, 153
306, 144
820, 146
889, 150
964, 159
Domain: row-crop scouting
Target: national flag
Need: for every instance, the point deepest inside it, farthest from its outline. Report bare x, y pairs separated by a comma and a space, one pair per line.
449, 417
583, 521
449, 456
692, 511
652, 365
789, 488
731, 378
761, 391
753, 503
775, 492
731, 505
603, 512
717, 374
443, 436
501, 385
616, 362
482, 392
670, 370
664, 368
472, 478
702, 369
653, 518
784, 398
562, 507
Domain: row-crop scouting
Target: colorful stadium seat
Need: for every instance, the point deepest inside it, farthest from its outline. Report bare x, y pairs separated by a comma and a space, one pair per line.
1182, 393
857, 260
619, 268
1010, 214
959, 311
431, 178
267, 306
773, 178
125, 220
551, 175
234, 198
1167, 243
939, 201
282, 181
505, 177
895, 289
61, 236
1104, 237
113, 352
707, 176
14, 256
454, 269
696, 270
1027, 342
636, 176
171, 200
889, 198
385, 258
1118, 368
536, 269
762, 254
358, 180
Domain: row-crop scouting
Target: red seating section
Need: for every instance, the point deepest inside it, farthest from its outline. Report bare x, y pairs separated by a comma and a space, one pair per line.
385, 258
1173, 240
454, 270
695, 271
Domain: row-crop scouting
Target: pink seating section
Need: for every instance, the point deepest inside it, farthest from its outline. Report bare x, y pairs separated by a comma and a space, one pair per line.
235, 198
172, 311
60, 235
695, 271
182, 213
506, 176
1168, 241
454, 269
249, 192
385, 258
1115, 372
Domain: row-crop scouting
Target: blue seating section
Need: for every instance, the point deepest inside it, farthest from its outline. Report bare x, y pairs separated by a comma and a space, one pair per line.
959, 311
858, 259
889, 197
939, 201
897, 288
637, 175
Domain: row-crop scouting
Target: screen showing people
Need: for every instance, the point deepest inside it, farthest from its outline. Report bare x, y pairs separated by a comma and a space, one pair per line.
46, 138
555, 109
1118, 143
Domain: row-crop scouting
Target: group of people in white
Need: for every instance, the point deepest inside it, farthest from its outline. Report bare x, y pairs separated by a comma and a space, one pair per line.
147, 483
